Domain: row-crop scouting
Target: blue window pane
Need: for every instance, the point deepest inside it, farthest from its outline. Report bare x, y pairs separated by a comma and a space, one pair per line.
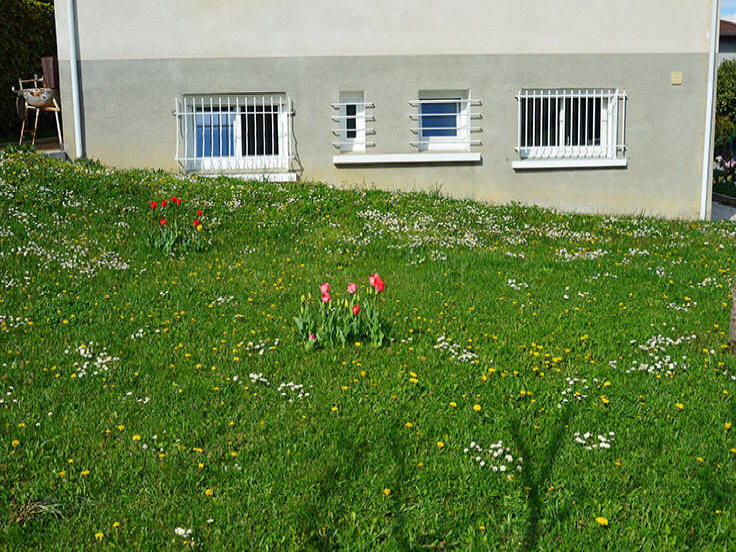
214, 136
439, 119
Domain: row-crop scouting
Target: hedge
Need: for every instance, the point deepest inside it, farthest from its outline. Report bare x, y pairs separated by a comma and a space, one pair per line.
27, 32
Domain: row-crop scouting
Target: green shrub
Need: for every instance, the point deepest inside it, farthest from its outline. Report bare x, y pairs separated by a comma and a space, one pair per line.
27, 32
725, 108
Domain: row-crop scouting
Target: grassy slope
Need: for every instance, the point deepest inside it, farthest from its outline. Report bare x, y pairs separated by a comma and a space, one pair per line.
300, 475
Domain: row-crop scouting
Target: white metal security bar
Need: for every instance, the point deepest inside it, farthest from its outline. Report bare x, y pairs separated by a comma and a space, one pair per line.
351, 127
587, 123
234, 133
445, 122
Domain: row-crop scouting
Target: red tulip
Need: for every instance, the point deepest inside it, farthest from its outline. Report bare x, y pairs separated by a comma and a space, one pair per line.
356, 309
163, 203
378, 284
325, 298
196, 223
173, 199
199, 213
162, 222
372, 278
154, 205
312, 337
178, 201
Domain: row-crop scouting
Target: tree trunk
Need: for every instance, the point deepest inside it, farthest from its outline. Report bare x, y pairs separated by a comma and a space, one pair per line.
732, 328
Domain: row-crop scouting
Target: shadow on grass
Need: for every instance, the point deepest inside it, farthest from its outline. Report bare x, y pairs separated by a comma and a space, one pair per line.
536, 472
345, 466
716, 491
349, 457
347, 461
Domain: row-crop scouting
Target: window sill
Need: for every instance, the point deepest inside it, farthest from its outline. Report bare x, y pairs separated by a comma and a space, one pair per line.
258, 177
406, 158
567, 163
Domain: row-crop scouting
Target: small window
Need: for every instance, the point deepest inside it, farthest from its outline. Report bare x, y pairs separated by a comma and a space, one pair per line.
351, 121
571, 123
234, 133
443, 120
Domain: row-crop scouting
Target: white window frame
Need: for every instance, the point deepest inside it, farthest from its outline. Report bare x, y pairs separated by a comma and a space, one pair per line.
461, 140
559, 147
359, 142
189, 107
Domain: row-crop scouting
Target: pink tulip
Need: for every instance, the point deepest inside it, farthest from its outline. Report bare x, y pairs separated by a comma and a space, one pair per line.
325, 297
356, 310
312, 337
372, 278
324, 288
352, 288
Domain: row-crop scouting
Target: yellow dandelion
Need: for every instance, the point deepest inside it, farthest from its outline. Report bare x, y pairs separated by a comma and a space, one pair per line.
334, 409
408, 424
679, 406
453, 404
208, 492
116, 525
476, 407
85, 473
603, 522
15, 442
387, 491
136, 437
440, 444
604, 399
727, 425
99, 536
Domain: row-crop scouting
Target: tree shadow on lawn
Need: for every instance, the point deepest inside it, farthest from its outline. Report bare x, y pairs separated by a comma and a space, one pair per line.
349, 457
347, 461
536, 473
716, 493
346, 464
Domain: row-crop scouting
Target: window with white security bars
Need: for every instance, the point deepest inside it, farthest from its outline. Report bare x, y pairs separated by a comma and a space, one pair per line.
234, 133
571, 124
351, 121
445, 120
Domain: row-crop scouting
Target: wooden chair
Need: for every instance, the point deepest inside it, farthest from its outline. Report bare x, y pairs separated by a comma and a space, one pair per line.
51, 106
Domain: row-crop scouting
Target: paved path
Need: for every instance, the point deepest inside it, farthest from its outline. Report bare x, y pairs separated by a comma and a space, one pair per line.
719, 211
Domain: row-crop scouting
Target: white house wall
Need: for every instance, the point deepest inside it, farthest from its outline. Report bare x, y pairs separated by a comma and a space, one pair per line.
137, 57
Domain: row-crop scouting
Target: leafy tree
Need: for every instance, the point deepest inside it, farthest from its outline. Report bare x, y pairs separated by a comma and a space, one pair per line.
725, 107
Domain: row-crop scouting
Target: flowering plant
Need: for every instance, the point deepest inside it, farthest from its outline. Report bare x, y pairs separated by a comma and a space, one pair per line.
333, 323
172, 229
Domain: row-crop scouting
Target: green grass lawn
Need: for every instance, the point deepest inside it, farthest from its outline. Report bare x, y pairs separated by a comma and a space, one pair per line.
141, 393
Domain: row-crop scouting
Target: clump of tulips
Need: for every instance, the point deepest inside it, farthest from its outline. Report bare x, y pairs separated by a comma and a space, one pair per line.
173, 229
336, 321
